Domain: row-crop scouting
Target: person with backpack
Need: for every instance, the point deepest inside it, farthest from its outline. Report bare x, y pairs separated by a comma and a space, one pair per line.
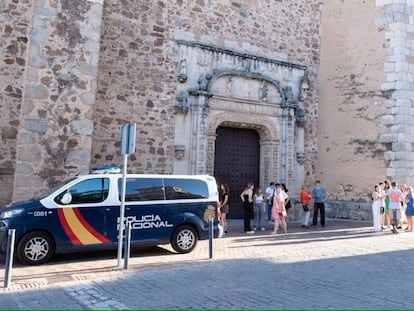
396, 197
270, 191
305, 198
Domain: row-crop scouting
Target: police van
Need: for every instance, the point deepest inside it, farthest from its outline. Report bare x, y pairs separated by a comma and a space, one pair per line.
84, 214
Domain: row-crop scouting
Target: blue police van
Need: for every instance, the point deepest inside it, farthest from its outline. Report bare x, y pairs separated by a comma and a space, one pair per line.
83, 214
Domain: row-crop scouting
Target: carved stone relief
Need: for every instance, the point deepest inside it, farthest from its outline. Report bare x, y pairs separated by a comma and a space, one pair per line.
224, 88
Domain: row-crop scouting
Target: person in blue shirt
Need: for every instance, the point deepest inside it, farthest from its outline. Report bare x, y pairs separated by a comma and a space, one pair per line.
319, 195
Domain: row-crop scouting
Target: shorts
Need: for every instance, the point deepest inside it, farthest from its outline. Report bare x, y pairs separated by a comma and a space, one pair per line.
398, 212
225, 209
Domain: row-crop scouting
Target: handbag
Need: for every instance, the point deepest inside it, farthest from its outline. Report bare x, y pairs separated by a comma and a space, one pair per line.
305, 207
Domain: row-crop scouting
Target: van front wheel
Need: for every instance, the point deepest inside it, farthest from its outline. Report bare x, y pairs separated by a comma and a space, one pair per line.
184, 239
35, 248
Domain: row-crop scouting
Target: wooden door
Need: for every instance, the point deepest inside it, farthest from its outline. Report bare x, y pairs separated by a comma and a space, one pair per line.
236, 162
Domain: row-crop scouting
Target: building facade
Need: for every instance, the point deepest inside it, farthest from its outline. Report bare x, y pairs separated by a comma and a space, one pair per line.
244, 90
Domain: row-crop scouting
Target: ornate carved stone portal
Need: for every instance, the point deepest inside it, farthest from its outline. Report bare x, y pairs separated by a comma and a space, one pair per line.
227, 88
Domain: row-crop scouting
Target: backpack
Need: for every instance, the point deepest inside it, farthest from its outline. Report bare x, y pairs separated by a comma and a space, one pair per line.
271, 198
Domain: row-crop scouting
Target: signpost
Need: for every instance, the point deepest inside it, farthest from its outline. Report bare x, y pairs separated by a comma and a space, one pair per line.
127, 146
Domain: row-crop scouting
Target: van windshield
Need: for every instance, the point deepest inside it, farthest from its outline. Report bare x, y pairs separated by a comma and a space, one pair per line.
47, 192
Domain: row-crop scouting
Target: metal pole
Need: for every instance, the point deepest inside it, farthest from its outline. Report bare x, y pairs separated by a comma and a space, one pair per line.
9, 257
127, 244
211, 234
122, 211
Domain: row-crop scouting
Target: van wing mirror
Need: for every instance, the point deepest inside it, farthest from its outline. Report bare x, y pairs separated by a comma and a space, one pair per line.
66, 199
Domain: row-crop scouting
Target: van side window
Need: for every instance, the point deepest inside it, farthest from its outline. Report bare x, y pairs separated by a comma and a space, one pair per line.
142, 189
93, 190
176, 189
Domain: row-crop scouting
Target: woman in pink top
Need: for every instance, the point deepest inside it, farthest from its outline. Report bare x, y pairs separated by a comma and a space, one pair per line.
279, 211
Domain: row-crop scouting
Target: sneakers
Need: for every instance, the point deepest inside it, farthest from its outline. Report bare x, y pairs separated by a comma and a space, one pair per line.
263, 229
250, 232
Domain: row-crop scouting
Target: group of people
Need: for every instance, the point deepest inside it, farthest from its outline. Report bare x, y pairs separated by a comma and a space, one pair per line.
389, 203
273, 203
274, 200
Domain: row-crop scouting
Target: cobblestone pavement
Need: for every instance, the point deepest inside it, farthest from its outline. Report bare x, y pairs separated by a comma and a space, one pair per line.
343, 265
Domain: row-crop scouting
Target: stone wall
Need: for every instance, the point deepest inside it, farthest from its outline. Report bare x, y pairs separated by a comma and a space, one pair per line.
353, 101
139, 65
14, 19
338, 209
57, 105
74, 72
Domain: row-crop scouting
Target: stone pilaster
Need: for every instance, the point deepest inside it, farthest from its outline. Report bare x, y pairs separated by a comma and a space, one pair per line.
398, 20
56, 121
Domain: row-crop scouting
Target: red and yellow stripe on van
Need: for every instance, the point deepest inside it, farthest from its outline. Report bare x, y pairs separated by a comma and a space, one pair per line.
77, 228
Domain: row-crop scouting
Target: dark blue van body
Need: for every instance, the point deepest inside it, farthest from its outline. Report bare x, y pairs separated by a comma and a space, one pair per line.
84, 214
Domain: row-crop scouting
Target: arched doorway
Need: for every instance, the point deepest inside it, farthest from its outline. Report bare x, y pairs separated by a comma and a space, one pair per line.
236, 162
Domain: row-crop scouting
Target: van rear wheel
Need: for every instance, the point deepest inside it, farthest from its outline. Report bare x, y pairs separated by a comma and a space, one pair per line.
35, 248
184, 239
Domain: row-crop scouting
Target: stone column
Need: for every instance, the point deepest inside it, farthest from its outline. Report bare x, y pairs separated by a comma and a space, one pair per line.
398, 20
290, 149
199, 120
211, 148
56, 122
268, 161
284, 145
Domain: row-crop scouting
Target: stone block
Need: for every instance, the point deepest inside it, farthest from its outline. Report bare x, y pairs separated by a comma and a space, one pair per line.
387, 120
78, 158
402, 94
87, 98
396, 57
388, 67
402, 85
388, 86
24, 168
398, 45
82, 127
401, 146
38, 36
401, 155
397, 26
389, 103
388, 138
29, 153
401, 65
35, 124
389, 156
36, 91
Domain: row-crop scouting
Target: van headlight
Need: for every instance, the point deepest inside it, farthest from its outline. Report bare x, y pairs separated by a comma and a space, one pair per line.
11, 213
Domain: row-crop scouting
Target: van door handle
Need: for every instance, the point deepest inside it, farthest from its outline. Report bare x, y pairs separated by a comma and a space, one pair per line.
107, 209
